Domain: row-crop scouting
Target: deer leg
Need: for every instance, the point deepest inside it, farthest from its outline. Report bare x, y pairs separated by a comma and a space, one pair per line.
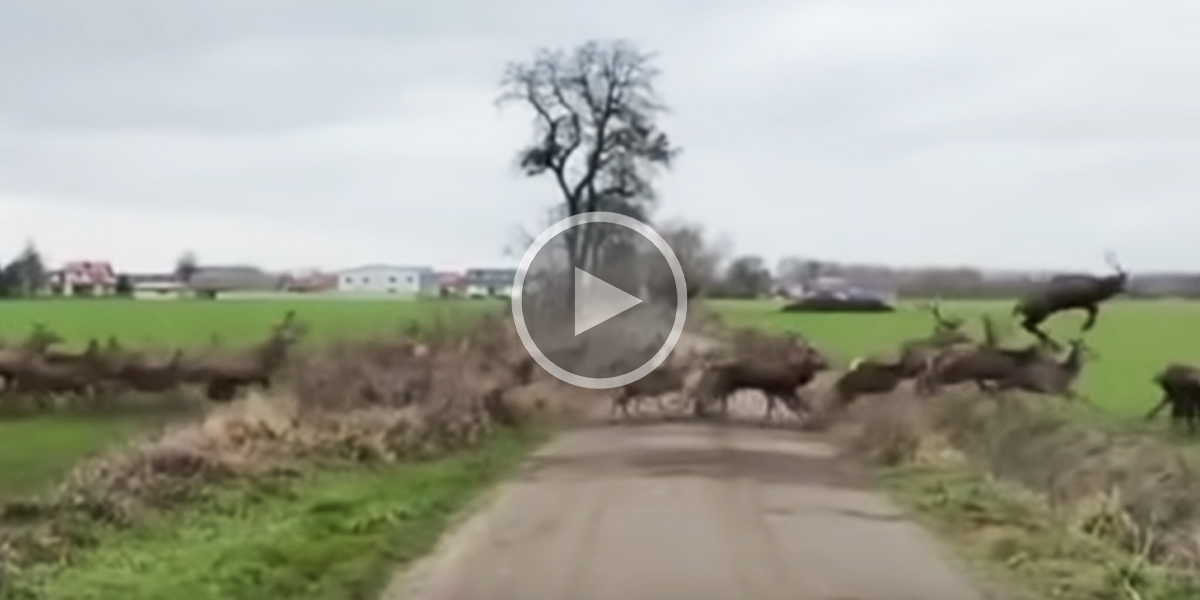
1093, 311
798, 405
986, 387
1191, 413
1031, 324
1158, 407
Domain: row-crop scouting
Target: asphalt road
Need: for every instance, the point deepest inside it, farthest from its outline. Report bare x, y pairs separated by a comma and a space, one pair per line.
686, 511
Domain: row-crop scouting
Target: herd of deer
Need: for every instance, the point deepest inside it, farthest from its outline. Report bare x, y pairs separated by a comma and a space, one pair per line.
780, 370
33, 369
777, 368
946, 356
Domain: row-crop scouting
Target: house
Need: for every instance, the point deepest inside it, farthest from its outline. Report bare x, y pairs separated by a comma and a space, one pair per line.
490, 282
387, 279
310, 282
450, 283
209, 282
157, 286
83, 278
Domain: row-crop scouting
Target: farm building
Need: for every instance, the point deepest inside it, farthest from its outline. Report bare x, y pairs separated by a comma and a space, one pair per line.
209, 282
490, 282
310, 282
450, 283
83, 278
157, 286
387, 279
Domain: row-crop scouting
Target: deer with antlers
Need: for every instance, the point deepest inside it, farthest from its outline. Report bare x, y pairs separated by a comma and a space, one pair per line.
223, 376
985, 364
1070, 292
14, 358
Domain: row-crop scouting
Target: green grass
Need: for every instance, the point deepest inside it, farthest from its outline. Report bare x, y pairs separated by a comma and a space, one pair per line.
190, 322
37, 450
1134, 339
332, 535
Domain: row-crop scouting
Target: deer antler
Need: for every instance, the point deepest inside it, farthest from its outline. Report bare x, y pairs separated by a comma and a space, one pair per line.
1110, 257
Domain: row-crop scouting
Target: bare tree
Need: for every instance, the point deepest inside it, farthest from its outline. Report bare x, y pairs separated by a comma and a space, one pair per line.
186, 266
747, 277
25, 275
699, 259
790, 272
594, 131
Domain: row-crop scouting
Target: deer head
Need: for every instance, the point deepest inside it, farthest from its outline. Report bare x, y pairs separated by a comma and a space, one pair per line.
941, 323
1121, 277
1076, 354
41, 338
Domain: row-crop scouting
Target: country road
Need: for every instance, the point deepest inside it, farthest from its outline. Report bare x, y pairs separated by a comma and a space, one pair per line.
686, 511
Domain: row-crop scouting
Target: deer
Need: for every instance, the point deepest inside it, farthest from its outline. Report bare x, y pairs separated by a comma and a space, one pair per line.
869, 376
1047, 376
143, 376
777, 376
13, 358
656, 383
1180, 384
100, 364
224, 375
1070, 292
946, 332
985, 364
37, 376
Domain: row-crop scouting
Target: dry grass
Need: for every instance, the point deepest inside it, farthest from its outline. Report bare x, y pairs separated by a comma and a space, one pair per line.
1135, 494
376, 402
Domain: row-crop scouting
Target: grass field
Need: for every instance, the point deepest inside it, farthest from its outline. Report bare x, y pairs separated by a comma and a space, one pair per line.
333, 534
1134, 339
191, 322
37, 450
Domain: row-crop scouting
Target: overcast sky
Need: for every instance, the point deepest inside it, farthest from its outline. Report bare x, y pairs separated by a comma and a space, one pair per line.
290, 133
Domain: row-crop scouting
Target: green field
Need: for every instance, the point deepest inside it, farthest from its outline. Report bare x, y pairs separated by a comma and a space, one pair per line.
331, 534
36, 450
1133, 339
191, 322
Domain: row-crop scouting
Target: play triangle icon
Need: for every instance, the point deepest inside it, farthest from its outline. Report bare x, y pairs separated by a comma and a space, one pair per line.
597, 301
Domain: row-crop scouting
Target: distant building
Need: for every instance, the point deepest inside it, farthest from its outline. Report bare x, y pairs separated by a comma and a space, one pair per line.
310, 282
450, 284
481, 283
157, 286
83, 278
387, 279
209, 282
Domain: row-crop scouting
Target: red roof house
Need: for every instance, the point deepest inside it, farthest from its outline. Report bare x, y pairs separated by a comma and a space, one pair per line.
82, 278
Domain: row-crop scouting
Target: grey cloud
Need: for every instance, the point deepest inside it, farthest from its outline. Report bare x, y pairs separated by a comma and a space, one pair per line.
857, 129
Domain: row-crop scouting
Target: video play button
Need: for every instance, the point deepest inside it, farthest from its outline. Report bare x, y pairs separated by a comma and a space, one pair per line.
599, 300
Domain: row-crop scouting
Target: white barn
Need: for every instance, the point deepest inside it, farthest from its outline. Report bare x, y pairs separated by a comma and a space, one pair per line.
386, 279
